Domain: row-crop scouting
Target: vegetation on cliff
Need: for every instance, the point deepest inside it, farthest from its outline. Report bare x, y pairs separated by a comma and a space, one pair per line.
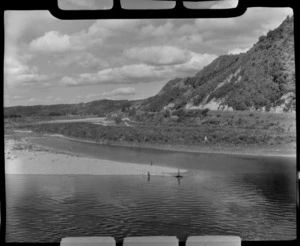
261, 79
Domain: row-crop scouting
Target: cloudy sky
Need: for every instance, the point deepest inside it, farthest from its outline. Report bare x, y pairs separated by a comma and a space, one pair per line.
51, 61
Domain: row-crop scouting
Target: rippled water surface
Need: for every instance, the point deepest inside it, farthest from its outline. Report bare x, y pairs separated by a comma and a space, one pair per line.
253, 197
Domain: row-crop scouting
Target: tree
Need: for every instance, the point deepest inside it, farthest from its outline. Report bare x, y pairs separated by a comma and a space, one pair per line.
205, 112
167, 114
132, 112
118, 120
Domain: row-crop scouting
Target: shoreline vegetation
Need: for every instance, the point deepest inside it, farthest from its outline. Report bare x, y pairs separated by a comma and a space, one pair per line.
204, 148
215, 132
22, 157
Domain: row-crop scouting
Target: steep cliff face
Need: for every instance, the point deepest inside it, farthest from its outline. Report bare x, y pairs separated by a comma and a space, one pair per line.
261, 79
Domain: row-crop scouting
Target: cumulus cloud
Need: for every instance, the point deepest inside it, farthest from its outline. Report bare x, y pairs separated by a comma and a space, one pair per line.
81, 59
31, 77
17, 67
192, 39
54, 41
51, 42
196, 62
68, 81
171, 58
143, 73
254, 21
237, 51
122, 91
17, 72
134, 73
160, 55
221, 35
114, 24
16, 97
18, 22
163, 30
52, 99
12, 65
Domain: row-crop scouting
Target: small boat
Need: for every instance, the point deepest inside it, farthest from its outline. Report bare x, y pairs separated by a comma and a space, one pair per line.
179, 175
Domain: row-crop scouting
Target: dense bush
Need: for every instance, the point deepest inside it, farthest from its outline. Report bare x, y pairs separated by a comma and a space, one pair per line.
217, 131
55, 114
12, 116
118, 120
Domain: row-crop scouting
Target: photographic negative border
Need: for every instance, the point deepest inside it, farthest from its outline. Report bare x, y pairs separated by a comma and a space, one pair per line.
179, 11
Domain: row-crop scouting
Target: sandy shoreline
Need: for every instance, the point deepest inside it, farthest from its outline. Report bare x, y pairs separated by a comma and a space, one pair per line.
204, 149
24, 158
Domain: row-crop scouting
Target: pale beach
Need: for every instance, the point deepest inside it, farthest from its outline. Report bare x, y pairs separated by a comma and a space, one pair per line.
24, 158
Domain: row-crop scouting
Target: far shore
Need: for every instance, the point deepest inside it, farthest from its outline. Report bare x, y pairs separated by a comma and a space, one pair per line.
22, 157
250, 150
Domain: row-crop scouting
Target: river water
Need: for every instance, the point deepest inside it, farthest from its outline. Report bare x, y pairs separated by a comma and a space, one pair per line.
252, 197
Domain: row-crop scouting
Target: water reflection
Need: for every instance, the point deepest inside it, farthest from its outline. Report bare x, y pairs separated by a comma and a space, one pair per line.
119, 206
253, 197
191, 161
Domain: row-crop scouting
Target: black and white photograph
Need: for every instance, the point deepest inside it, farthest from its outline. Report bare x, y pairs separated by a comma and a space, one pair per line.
150, 127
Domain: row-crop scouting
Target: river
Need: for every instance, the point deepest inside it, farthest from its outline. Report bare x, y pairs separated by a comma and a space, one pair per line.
249, 196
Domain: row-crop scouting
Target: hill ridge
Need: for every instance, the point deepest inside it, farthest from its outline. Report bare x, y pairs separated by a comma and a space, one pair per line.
261, 79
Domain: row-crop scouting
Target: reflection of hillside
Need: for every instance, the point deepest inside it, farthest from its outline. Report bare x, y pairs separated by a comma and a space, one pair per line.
275, 187
255, 199
255, 196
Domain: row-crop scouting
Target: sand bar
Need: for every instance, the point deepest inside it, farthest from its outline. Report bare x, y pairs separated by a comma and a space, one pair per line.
22, 158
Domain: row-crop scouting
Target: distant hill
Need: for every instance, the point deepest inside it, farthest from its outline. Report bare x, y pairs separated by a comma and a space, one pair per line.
261, 79
100, 107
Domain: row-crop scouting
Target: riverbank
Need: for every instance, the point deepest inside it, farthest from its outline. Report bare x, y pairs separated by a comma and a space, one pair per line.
22, 157
243, 150
233, 139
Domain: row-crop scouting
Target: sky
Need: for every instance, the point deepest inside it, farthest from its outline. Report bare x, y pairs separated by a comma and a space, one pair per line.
52, 61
